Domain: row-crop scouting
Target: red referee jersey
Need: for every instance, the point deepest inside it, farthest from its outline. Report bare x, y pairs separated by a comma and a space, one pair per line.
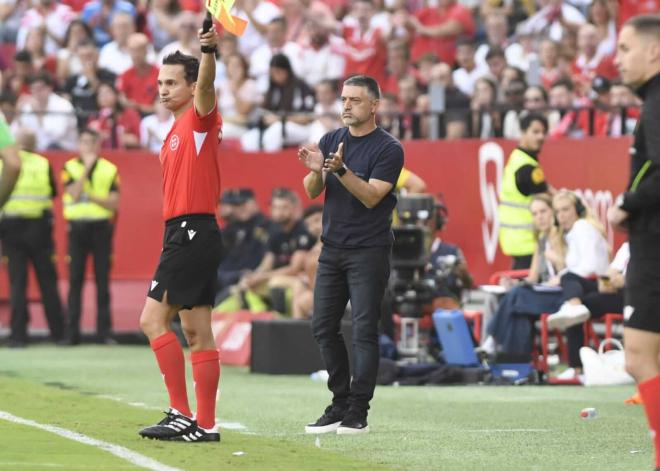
191, 171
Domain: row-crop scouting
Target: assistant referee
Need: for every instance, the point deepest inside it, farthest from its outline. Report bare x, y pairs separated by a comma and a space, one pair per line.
638, 60
184, 281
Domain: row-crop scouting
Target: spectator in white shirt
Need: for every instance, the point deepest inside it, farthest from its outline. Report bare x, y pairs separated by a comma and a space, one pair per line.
276, 43
496, 35
50, 116
115, 56
259, 14
11, 14
155, 127
327, 111
188, 24
469, 71
319, 62
587, 256
51, 15
553, 19
238, 98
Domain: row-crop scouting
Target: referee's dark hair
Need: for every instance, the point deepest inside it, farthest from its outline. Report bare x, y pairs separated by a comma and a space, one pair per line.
311, 210
367, 82
90, 132
526, 120
645, 24
190, 64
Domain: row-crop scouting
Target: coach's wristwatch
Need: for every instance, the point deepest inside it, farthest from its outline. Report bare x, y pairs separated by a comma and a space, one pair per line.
342, 170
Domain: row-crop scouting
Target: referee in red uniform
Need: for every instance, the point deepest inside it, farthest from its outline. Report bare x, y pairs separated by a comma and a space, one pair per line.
638, 59
184, 281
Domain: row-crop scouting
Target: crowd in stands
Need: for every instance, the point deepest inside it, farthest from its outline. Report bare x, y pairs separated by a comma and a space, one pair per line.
447, 68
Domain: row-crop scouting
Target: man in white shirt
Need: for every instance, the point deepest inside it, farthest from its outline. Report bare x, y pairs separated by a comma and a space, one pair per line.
259, 14
115, 55
187, 26
275, 43
553, 19
50, 116
496, 34
47, 13
319, 62
468, 72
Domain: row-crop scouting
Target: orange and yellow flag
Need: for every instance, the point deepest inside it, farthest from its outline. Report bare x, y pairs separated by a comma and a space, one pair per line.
220, 10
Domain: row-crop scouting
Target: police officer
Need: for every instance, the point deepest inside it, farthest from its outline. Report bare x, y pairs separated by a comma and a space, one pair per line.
90, 201
522, 178
27, 237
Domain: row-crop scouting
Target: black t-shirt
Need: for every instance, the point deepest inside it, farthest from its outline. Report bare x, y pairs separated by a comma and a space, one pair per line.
347, 223
530, 179
283, 244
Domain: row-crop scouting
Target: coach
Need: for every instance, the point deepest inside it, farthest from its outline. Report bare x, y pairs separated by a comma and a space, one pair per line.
358, 167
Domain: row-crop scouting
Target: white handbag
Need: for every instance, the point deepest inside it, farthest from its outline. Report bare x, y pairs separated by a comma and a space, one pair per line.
605, 368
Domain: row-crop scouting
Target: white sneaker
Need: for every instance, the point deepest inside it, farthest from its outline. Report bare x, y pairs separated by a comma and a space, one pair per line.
568, 315
568, 373
489, 345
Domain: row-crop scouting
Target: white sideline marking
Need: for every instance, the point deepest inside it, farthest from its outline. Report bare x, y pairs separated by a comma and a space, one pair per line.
43, 465
119, 451
499, 430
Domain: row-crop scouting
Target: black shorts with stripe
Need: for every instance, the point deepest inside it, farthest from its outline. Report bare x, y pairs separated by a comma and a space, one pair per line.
188, 266
642, 306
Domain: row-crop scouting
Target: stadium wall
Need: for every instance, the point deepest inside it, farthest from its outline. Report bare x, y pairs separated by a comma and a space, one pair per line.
467, 173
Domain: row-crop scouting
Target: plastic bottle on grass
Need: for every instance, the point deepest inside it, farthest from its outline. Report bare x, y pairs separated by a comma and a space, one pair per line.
588, 413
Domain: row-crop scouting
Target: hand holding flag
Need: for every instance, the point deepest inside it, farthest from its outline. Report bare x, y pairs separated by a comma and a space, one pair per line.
220, 10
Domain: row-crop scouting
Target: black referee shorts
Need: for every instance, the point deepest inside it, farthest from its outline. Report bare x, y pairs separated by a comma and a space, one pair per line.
642, 306
188, 266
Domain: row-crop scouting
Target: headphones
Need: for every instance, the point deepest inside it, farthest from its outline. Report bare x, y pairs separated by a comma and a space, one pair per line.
580, 209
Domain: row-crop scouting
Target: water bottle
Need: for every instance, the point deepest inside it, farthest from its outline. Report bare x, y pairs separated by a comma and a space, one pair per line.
588, 413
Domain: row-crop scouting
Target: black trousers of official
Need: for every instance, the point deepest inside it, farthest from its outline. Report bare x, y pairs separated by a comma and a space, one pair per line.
521, 262
26, 241
358, 275
90, 238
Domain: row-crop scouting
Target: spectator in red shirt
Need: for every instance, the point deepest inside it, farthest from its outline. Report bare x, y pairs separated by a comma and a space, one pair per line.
16, 80
119, 127
398, 66
35, 42
549, 59
436, 29
364, 45
137, 86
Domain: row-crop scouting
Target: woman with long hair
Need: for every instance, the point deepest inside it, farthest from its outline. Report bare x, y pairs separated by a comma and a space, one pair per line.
119, 127
68, 62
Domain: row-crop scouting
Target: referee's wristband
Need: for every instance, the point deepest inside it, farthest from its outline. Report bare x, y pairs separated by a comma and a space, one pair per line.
209, 49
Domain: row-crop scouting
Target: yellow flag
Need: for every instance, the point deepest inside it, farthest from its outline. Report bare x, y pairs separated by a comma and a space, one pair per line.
220, 10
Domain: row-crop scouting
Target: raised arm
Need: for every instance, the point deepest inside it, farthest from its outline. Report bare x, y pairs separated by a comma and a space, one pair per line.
205, 91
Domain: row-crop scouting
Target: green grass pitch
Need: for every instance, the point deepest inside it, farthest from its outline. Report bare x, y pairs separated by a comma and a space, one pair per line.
109, 393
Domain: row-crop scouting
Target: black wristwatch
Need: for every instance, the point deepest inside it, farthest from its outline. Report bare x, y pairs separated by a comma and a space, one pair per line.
342, 170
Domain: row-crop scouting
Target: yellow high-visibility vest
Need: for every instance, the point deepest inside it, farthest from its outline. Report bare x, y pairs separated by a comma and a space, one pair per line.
101, 182
32, 194
516, 223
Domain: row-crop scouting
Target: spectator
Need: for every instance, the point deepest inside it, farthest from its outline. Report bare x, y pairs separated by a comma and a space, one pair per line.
515, 98
549, 61
600, 297
259, 14
364, 44
496, 61
238, 98
81, 88
496, 35
302, 303
319, 61
186, 42
17, 80
587, 255
155, 127
227, 47
138, 85
536, 99
510, 330
562, 98
468, 70
486, 120
8, 106
398, 66
554, 19
116, 55
587, 64
388, 114
286, 94
68, 62
298, 14
276, 45
35, 44
49, 115
327, 111
408, 94
456, 102
625, 108
601, 17
118, 127
51, 16
98, 14
11, 13
160, 19
424, 67
436, 28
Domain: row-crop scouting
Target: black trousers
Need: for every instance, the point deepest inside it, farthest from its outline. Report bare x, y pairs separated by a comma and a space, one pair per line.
90, 238
358, 275
27, 241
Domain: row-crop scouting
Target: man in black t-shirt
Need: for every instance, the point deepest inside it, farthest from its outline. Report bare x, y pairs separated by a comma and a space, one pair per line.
358, 167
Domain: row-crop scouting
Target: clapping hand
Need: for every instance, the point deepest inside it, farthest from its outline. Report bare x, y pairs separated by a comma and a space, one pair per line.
313, 160
336, 160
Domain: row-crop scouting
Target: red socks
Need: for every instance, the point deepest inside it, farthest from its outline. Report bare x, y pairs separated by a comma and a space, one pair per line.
650, 392
206, 373
169, 355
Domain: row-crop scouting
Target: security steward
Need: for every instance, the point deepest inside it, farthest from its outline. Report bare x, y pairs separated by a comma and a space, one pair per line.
26, 228
90, 202
523, 177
